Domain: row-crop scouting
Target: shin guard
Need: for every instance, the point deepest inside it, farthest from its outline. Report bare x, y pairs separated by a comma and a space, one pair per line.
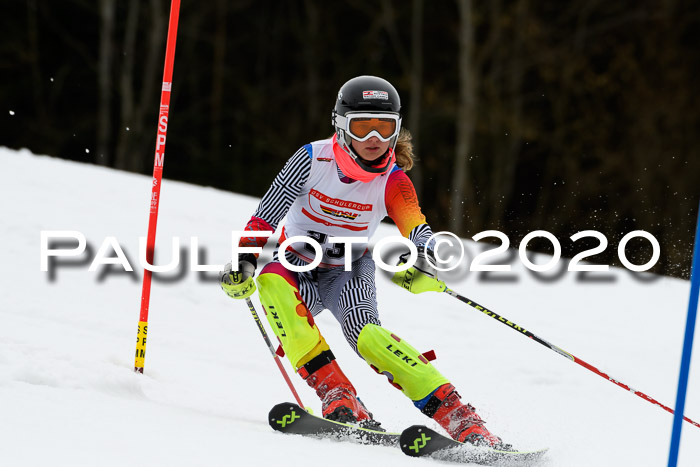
404, 366
290, 319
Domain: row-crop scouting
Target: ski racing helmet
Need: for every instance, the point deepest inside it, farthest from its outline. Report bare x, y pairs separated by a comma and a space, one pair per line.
366, 106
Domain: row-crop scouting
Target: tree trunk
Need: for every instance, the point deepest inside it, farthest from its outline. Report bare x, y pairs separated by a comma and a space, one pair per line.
311, 54
218, 79
462, 199
416, 90
141, 155
503, 186
103, 152
128, 124
135, 139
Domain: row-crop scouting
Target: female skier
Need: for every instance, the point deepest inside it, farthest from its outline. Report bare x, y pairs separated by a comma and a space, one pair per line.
343, 187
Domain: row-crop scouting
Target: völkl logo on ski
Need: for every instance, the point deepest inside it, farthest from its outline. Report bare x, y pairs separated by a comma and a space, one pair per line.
288, 419
423, 441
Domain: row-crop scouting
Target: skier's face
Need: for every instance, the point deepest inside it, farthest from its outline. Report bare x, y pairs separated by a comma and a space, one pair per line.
370, 150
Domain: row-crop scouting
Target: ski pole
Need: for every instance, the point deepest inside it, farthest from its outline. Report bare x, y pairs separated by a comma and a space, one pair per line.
560, 351
251, 307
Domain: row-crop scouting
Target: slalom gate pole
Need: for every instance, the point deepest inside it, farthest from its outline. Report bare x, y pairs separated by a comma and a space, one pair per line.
251, 307
560, 351
157, 177
687, 348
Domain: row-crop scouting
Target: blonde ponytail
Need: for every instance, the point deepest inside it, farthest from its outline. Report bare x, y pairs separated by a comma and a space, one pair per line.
404, 150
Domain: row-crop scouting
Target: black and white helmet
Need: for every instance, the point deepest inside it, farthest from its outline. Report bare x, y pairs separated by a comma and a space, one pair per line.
367, 106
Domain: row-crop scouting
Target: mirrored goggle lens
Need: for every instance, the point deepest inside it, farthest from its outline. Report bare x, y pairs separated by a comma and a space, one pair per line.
361, 127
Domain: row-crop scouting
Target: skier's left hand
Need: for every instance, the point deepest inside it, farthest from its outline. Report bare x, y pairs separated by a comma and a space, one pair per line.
421, 277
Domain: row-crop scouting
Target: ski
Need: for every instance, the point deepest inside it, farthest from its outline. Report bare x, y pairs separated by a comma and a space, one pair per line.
290, 418
420, 440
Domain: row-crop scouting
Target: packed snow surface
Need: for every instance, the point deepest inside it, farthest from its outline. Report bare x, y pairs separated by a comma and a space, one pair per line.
69, 395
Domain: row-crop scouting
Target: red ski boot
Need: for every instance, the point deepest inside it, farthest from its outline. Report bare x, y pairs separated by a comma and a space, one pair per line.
461, 421
338, 396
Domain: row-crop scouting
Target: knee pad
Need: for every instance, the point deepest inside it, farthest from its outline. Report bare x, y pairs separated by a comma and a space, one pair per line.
406, 368
290, 319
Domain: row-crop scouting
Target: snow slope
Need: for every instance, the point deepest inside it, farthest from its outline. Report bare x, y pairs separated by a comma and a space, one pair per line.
69, 396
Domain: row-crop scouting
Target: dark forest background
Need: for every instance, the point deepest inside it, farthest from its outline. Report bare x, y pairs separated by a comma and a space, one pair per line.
526, 115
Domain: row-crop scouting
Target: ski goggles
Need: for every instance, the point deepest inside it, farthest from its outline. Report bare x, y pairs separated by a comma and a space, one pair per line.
362, 126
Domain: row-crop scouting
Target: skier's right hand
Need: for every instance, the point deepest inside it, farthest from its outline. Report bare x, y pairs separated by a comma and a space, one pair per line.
239, 284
